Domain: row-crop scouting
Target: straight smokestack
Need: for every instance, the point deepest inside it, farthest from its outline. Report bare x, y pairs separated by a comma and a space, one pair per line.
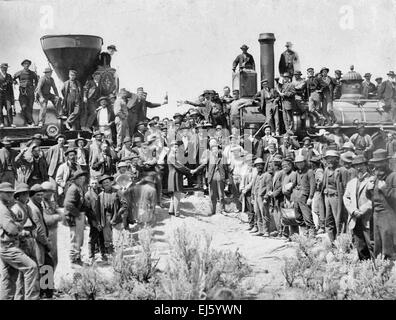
267, 57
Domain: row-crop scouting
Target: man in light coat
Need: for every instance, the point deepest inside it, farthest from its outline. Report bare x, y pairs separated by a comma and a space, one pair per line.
359, 209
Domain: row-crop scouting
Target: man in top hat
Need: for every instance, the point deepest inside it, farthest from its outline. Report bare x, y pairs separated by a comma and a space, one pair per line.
13, 259
382, 193
289, 60
245, 60
287, 94
7, 99
302, 195
105, 118
74, 211
72, 100
8, 170
359, 208
333, 193
66, 171
362, 141
368, 88
104, 59
56, 155
91, 94
337, 84
43, 95
28, 81
386, 93
82, 153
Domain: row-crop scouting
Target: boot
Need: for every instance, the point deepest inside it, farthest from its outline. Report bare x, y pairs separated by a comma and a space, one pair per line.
254, 230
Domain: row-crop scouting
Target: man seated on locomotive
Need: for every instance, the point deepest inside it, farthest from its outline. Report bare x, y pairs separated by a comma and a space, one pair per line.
362, 141
301, 86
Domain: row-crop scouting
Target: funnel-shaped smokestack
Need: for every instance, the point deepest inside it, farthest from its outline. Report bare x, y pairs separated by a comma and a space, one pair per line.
78, 52
267, 57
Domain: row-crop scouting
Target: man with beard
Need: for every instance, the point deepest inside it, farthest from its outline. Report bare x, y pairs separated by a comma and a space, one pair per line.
303, 193
13, 259
66, 171
360, 208
104, 163
36, 167
27, 83
333, 192
7, 162
382, 192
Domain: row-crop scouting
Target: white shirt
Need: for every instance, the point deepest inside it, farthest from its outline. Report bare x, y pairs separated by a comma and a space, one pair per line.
103, 117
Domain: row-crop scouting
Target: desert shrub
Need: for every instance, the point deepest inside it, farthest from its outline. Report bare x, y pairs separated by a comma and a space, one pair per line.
196, 271
136, 275
326, 271
86, 284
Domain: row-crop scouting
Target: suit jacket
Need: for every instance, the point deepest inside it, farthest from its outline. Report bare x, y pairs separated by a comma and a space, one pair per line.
211, 165
91, 91
74, 201
29, 165
66, 88
287, 61
6, 89
102, 167
386, 92
53, 159
288, 100
41, 232
357, 200
176, 172
305, 184
145, 196
244, 61
369, 90
7, 157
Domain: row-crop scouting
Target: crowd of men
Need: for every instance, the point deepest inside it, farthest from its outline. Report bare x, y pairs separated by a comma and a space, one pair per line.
329, 183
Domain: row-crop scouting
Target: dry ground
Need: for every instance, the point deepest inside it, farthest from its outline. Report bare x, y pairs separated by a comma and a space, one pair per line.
228, 233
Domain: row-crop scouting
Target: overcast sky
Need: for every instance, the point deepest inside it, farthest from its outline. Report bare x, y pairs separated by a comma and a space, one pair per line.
186, 46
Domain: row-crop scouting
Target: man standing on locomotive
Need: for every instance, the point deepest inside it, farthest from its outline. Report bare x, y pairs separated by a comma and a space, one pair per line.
91, 93
287, 94
43, 93
72, 95
27, 83
6, 95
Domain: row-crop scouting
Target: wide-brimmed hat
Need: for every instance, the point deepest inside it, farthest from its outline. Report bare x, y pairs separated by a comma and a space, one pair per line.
338, 72
347, 156
70, 149
299, 158
368, 74
97, 133
306, 138
80, 139
310, 69
324, 68
244, 46
4, 65
288, 44
378, 78
21, 188
379, 155
60, 136
48, 186
264, 81
6, 141
6, 187
105, 177
359, 159
391, 73
315, 159
258, 161
79, 173
47, 70
332, 153
103, 98
35, 189
297, 73
26, 60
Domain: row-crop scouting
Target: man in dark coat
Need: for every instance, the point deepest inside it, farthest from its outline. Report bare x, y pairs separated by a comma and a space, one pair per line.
288, 60
27, 83
245, 60
369, 90
91, 93
6, 95
36, 167
104, 59
72, 99
382, 192
337, 84
8, 171
75, 216
287, 94
56, 155
386, 92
